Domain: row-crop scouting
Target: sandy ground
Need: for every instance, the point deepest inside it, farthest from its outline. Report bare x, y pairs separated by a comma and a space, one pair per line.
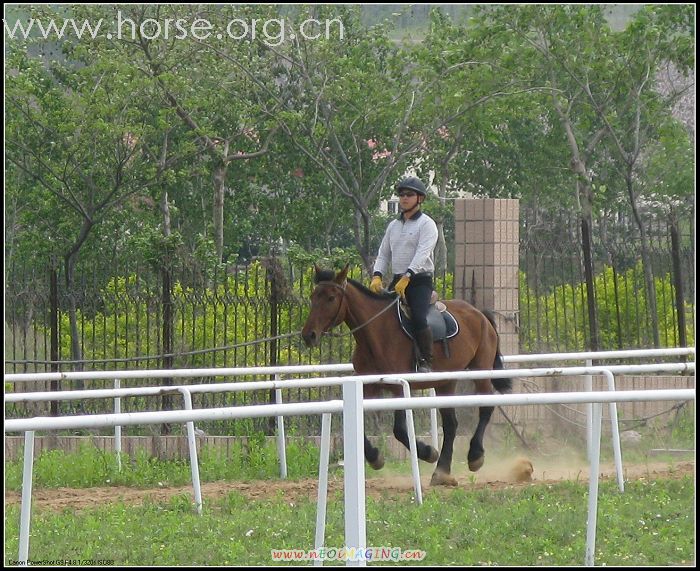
496, 473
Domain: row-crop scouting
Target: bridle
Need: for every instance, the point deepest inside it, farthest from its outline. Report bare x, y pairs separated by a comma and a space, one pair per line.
333, 321
340, 305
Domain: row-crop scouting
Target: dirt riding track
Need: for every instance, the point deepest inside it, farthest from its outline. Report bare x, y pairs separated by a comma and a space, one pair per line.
491, 476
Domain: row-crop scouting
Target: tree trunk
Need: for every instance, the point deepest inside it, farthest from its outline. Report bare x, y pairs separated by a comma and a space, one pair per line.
587, 245
646, 262
70, 260
678, 281
165, 211
585, 193
362, 236
219, 188
53, 318
441, 247
167, 349
166, 278
440, 251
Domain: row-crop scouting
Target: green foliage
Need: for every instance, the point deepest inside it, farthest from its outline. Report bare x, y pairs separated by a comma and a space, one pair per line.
494, 107
232, 312
336, 258
558, 320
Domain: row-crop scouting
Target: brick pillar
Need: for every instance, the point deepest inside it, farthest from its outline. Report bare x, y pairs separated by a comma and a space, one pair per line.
486, 261
487, 237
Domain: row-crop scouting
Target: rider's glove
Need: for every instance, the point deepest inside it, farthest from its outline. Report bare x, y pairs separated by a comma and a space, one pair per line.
376, 285
401, 286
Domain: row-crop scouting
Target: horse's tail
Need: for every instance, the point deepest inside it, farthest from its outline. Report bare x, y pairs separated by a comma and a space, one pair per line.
502, 385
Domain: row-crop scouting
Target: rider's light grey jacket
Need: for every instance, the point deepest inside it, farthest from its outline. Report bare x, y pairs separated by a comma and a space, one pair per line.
408, 246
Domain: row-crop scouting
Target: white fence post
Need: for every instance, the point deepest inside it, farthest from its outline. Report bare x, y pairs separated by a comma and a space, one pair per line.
194, 459
118, 429
412, 446
323, 484
433, 423
589, 412
617, 449
354, 470
597, 424
26, 515
281, 444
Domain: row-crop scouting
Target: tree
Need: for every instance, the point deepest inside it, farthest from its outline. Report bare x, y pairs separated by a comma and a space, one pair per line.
75, 131
657, 34
553, 42
497, 139
207, 93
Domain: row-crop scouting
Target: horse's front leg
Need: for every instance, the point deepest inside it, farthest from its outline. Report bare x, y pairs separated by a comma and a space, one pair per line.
442, 476
373, 455
425, 451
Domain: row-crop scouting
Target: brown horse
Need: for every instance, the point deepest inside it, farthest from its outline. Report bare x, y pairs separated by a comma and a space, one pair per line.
381, 346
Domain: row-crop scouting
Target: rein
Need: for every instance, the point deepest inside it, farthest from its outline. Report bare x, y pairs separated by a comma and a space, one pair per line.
370, 320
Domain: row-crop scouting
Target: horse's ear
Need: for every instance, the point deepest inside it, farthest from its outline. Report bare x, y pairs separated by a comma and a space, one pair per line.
342, 275
317, 273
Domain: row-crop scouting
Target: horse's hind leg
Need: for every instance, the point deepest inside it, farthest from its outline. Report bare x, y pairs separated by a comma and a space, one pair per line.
425, 451
441, 476
475, 457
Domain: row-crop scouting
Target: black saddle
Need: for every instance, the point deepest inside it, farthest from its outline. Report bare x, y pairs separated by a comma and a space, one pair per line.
441, 322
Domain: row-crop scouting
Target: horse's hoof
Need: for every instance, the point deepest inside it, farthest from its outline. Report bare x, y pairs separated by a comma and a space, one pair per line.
474, 465
441, 478
433, 455
378, 464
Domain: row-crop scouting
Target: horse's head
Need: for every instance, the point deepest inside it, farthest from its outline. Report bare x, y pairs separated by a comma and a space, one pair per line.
327, 304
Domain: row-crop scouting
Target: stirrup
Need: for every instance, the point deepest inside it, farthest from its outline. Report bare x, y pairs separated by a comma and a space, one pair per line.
424, 367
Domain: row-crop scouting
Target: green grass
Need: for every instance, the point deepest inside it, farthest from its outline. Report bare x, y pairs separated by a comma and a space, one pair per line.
677, 433
91, 467
652, 523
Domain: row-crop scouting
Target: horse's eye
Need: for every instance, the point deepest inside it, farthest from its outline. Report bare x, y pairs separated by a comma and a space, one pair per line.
331, 298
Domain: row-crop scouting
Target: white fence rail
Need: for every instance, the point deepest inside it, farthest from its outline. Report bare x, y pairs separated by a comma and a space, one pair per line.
588, 357
187, 390
353, 408
326, 408
338, 368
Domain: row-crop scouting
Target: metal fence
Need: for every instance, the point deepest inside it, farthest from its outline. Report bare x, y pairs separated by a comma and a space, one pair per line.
140, 317
553, 293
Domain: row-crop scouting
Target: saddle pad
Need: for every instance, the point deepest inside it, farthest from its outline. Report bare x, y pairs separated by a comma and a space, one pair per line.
442, 323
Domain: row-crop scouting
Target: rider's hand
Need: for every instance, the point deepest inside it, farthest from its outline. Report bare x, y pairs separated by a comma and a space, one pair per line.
376, 285
401, 286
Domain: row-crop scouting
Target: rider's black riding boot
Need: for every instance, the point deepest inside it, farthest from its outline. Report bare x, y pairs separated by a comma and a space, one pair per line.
424, 338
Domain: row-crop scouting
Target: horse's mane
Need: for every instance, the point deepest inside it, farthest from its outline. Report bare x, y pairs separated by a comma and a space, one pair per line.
366, 291
329, 276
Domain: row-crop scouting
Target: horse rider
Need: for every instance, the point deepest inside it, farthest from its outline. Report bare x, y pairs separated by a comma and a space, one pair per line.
408, 246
